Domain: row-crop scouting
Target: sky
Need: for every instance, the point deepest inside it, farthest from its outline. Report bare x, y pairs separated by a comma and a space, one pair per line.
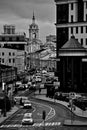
20, 12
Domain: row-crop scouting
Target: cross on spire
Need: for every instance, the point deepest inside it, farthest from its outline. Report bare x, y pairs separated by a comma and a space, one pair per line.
33, 19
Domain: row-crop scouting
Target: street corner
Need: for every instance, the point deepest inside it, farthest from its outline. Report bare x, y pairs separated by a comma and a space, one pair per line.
75, 123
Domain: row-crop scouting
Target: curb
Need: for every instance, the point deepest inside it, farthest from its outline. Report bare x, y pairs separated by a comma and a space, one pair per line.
74, 123
62, 105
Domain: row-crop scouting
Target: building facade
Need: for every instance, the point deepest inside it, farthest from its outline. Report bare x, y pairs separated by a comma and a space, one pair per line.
71, 19
51, 38
12, 48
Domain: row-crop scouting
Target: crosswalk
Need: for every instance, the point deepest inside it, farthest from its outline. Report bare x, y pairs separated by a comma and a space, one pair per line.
34, 125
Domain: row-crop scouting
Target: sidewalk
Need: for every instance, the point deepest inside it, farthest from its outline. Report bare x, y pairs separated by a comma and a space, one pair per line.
77, 111
8, 114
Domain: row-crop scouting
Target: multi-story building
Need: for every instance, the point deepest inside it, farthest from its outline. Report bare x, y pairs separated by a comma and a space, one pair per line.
71, 19
12, 48
51, 38
71, 30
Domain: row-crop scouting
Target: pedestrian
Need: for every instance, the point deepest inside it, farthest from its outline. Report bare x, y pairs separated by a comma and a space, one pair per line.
39, 90
21, 101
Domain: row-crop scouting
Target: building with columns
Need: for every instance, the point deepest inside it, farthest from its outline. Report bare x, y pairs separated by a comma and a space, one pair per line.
71, 19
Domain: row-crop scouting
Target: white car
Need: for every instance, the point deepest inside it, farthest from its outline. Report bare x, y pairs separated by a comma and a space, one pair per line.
38, 79
27, 104
27, 119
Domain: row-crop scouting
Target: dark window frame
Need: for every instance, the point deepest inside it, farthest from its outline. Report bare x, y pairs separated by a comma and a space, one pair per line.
86, 29
9, 60
71, 6
9, 53
76, 29
81, 41
71, 30
81, 29
2, 53
86, 41
71, 18
86, 4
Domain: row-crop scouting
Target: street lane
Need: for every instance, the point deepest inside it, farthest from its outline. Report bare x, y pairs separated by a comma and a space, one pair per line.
56, 114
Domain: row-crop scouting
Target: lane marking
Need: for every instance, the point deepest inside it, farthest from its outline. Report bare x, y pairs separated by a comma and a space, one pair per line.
34, 125
51, 113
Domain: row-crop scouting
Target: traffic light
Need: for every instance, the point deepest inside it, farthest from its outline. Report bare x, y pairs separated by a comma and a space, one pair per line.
44, 115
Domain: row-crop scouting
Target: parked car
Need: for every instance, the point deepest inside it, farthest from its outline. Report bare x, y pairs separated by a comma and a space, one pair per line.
27, 119
27, 104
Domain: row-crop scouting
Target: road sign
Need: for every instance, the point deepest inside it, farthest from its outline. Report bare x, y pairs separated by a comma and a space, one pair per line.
72, 95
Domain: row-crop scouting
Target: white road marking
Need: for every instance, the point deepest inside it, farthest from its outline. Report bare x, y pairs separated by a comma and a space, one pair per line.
34, 125
51, 112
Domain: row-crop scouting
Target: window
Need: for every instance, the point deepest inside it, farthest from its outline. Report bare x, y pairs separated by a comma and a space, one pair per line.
86, 5
86, 29
13, 60
2, 60
86, 41
71, 18
9, 53
71, 6
0, 38
86, 17
71, 30
81, 41
6, 38
76, 29
81, 29
2, 53
9, 60
13, 54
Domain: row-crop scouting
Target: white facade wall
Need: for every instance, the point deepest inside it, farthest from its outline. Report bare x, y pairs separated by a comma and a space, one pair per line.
73, 12
85, 11
18, 56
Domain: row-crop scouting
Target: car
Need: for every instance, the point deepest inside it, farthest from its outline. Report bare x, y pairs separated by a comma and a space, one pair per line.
33, 86
27, 119
38, 79
18, 98
27, 104
21, 87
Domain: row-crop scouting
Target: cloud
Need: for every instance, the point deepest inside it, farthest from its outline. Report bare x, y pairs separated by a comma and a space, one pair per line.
44, 9
19, 12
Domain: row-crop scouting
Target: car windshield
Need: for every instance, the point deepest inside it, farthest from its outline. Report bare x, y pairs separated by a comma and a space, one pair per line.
28, 115
27, 101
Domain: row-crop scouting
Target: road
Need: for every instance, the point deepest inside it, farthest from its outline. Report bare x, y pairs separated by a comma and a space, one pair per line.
55, 116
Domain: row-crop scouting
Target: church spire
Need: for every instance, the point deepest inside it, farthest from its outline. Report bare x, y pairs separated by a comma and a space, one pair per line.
33, 19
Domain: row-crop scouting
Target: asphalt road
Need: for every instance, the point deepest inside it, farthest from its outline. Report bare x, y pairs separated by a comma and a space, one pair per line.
55, 116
